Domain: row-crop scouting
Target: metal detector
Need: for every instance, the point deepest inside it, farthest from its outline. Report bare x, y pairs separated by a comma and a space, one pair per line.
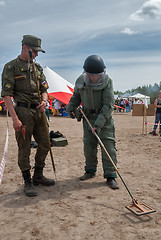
136, 208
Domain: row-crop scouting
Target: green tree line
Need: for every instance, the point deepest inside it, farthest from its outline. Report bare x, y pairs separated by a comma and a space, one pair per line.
149, 90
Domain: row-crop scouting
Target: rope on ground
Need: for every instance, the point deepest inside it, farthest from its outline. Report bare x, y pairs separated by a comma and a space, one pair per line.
152, 123
2, 165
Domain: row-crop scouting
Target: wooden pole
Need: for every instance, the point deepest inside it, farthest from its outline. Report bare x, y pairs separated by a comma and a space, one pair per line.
143, 119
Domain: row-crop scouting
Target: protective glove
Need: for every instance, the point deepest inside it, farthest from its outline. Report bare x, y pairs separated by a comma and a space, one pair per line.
78, 114
97, 129
72, 114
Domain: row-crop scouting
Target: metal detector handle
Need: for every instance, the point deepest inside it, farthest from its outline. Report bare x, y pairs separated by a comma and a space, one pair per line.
43, 114
102, 145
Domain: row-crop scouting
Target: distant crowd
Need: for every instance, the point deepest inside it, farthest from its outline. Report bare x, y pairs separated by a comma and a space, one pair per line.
125, 104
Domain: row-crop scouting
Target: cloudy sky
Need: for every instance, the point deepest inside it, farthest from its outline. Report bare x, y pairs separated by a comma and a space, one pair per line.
126, 34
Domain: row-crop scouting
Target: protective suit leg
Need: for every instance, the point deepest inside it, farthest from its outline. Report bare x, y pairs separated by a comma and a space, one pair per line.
107, 136
90, 149
108, 168
90, 153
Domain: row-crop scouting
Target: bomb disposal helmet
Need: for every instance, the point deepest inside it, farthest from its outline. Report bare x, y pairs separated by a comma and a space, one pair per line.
94, 64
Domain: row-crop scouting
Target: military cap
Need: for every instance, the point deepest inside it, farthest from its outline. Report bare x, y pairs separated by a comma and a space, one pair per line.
33, 42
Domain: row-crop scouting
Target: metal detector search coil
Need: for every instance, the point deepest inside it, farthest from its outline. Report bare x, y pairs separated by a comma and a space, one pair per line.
140, 209
136, 208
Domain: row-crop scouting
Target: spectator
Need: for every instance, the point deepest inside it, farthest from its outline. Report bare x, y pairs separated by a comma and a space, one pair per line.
62, 110
122, 105
57, 107
130, 105
117, 104
127, 105
47, 111
157, 104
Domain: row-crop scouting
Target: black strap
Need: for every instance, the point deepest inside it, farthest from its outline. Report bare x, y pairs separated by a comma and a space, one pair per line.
27, 105
91, 111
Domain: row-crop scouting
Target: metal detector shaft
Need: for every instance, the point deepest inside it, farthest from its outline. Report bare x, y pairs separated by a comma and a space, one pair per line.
102, 145
43, 114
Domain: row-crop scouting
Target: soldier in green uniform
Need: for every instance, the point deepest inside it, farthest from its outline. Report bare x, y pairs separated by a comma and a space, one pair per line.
94, 89
18, 82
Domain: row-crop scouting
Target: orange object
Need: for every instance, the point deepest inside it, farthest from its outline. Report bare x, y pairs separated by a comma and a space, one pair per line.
140, 208
23, 130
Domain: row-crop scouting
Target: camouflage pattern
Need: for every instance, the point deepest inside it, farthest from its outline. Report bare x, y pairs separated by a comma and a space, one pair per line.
18, 81
32, 119
98, 104
32, 41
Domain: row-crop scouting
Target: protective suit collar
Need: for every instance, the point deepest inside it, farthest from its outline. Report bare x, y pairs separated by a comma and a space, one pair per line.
89, 82
80, 84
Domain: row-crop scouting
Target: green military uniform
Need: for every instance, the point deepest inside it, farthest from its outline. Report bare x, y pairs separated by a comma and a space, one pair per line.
97, 102
18, 81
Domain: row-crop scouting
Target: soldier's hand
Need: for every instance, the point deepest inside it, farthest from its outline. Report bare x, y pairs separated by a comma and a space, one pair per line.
17, 125
42, 106
72, 114
94, 130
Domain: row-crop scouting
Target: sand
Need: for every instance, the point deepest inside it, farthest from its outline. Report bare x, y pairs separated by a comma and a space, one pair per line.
74, 210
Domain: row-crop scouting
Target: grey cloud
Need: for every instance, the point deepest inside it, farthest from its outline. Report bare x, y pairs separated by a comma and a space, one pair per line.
2, 3
151, 8
72, 30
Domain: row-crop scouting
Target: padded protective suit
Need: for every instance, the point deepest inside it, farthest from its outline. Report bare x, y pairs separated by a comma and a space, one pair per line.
97, 102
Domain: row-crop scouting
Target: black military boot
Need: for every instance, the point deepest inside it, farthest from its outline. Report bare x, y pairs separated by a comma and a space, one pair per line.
86, 176
112, 183
28, 187
38, 178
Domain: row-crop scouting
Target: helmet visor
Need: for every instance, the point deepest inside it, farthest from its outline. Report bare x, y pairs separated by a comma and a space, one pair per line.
94, 79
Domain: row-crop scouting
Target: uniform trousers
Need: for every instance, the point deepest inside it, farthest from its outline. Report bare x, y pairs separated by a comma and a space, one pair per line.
32, 119
157, 120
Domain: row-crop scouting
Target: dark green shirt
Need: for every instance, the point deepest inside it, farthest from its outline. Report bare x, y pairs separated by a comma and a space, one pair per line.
18, 81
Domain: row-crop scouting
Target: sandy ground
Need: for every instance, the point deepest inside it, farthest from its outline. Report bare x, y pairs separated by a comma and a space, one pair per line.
74, 210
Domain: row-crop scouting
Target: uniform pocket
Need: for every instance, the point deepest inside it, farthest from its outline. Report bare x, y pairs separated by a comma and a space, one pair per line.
20, 82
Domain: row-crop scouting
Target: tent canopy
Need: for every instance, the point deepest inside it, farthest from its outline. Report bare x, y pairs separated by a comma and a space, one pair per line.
59, 88
1, 101
142, 97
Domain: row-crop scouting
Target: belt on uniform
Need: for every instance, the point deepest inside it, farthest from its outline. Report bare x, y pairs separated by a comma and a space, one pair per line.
91, 111
27, 105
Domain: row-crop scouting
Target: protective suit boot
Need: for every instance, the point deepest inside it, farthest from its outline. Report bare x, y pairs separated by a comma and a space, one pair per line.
86, 176
38, 178
28, 187
112, 183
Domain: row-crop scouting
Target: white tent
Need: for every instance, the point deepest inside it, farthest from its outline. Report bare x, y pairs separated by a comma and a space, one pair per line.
59, 88
142, 97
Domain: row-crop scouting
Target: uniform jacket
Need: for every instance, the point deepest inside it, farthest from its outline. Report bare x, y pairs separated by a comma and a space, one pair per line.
99, 99
18, 81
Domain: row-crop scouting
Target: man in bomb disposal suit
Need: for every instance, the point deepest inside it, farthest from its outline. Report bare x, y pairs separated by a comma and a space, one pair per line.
94, 89
18, 81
